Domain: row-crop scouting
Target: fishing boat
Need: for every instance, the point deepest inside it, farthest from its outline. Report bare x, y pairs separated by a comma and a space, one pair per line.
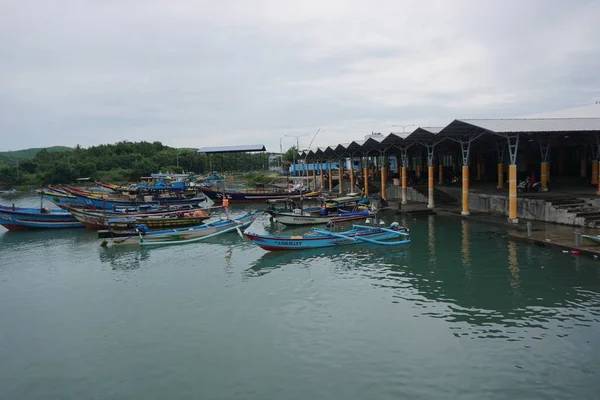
332, 210
101, 202
99, 220
326, 238
19, 218
595, 239
182, 235
59, 197
253, 195
299, 218
8, 191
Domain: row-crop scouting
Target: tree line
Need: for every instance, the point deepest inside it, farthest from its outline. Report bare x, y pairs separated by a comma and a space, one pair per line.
121, 162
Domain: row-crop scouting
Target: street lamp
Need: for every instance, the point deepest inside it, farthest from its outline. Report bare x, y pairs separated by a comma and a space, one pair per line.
297, 145
403, 126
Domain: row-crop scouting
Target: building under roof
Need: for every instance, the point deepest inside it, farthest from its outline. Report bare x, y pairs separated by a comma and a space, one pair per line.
233, 149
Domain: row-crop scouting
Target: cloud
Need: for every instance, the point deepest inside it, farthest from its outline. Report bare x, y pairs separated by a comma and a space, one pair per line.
193, 73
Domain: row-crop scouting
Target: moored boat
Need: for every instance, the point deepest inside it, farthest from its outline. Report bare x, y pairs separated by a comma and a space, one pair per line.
326, 238
251, 195
19, 218
182, 235
100, 220
299, 218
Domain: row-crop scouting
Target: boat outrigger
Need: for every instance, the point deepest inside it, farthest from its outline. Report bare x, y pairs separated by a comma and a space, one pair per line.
326, 238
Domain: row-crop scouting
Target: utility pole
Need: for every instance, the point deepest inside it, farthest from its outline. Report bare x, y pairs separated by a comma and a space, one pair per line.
297, 146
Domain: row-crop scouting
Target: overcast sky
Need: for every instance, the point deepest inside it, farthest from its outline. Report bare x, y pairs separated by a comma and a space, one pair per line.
194, 73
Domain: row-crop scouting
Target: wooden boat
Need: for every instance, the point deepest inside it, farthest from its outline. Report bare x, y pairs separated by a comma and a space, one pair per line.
249, 196
100, 220
109, 203
19, 218
332, 210
8, 191
300, 218
183, 235
60, 198
325, 238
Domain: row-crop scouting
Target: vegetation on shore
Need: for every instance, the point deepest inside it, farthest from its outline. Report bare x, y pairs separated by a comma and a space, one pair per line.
119, 163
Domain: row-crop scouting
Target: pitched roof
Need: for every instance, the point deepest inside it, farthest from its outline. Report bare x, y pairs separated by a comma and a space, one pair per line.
233, 149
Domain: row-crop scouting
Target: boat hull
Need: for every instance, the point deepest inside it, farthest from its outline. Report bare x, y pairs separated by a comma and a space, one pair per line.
174, 236
312, 219
275, 243
253, 197
31, 218
98, 220
104, 204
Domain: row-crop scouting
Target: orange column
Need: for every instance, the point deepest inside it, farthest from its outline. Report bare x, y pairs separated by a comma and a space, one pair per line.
500, 176
440, 174
512, 193
366, 177
351, 176
314, 177
465, 190
403, 185
329, 176
544, 178
430, 187
594, 172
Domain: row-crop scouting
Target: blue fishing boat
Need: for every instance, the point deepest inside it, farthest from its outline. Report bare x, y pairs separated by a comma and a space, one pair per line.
143, 237
19, 218
107, 203
326, 238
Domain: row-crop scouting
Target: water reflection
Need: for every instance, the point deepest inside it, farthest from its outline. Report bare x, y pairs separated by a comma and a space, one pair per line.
431, 238
466, 284
126, 258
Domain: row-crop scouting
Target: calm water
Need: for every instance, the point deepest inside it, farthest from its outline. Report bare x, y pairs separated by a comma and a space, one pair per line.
463, 313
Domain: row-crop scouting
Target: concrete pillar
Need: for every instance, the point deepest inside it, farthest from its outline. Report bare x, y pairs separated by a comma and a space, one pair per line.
500, 176
366, 178
544, 176
465, 190
322, 176
330, 177
341, 176
512, 193
430, 187
440, 174
594, 172
404, 185
383, 182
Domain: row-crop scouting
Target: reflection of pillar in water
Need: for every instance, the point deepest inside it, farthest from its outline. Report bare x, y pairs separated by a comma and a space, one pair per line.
513, 264
431, 238
465, 250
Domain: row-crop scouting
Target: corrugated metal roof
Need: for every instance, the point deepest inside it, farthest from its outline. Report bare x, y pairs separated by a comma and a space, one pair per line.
587, 111
233, 149
522, 125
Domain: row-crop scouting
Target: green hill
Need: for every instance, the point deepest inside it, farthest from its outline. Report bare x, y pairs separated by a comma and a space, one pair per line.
28, 154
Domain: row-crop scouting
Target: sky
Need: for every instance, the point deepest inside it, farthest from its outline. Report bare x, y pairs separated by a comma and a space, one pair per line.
210, 73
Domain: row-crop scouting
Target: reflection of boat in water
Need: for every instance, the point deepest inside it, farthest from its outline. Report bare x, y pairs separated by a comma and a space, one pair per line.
342, 257
124, 258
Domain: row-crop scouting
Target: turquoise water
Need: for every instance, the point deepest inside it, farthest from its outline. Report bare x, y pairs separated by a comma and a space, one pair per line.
463, 313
